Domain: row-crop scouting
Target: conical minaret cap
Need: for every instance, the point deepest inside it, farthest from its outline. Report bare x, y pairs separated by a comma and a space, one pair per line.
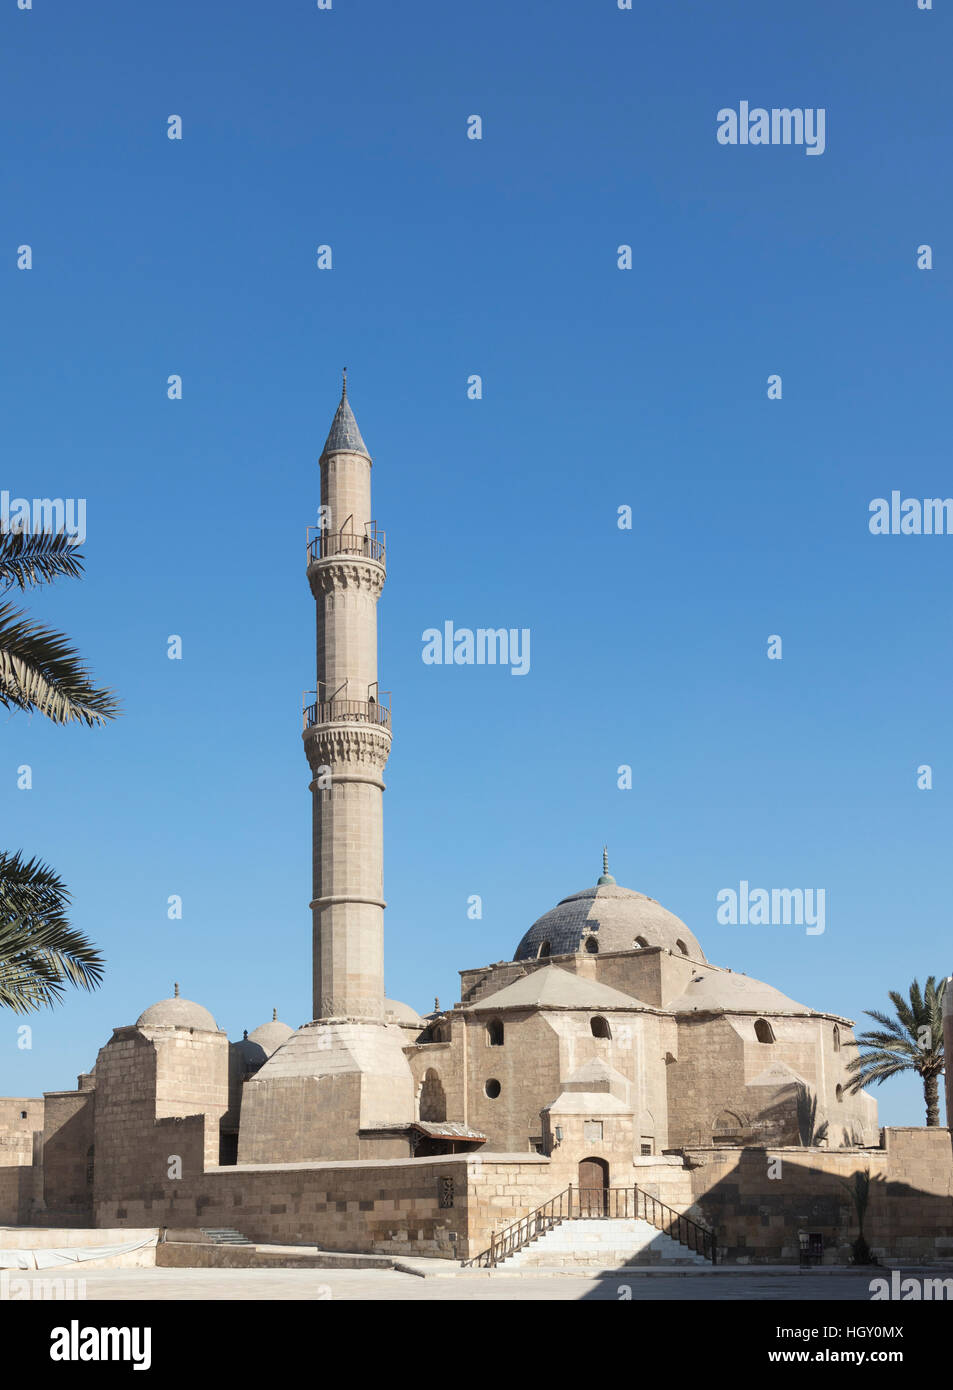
344, 433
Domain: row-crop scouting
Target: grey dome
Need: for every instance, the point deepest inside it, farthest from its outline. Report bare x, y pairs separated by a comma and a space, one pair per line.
616, 919
177, 1013
270, 1036
251, 1055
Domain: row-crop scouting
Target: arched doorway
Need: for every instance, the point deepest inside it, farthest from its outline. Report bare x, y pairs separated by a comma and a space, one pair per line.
593, 1187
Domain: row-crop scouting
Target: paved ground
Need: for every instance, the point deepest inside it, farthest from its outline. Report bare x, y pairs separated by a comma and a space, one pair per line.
388, 1285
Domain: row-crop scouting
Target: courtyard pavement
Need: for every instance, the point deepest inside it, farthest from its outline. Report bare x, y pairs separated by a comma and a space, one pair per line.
375, 1285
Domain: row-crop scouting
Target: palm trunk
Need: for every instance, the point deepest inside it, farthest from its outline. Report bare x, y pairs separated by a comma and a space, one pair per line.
932, 1100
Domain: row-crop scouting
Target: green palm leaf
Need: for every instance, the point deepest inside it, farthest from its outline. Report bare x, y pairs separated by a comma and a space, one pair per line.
28, 560
40, 671
40, 953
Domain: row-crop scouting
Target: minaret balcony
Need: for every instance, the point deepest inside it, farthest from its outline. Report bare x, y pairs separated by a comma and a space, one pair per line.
347, 711
330, 543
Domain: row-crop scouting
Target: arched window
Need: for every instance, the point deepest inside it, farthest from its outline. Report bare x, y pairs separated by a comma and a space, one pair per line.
494, 1033
600, 1027
90, 1164
682, 947
640, 943
836, 1038
763, 1031
592, 945
839, 1093
543, 950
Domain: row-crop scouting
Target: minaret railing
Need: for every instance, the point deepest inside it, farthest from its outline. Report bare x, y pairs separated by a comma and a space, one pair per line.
323, 546
343, 711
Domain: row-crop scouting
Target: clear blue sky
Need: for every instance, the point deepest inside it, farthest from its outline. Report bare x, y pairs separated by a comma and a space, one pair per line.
601, 388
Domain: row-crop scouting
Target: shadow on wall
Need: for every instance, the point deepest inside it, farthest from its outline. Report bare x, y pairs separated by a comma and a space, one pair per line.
769, 1203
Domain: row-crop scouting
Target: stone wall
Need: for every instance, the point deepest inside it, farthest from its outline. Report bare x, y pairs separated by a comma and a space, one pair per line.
67, 1158
394, 1207
757, 1200
20, 1118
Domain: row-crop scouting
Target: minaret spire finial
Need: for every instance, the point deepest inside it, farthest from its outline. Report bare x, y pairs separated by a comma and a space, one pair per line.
606, 876
344, 384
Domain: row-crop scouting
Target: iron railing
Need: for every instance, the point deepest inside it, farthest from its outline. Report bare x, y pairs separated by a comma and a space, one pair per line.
610, 1203
347, 711
347, 543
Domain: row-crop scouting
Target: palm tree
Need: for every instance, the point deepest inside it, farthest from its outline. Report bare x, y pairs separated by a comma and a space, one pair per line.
809, 1131
912, 1041
40, 953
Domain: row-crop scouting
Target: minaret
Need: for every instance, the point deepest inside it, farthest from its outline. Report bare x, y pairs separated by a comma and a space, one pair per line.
347, 734
341, 1086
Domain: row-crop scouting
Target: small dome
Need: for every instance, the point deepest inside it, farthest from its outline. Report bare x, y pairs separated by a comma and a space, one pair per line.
607, 918
251, 1055
402, 1013
177, 1013
270, 1036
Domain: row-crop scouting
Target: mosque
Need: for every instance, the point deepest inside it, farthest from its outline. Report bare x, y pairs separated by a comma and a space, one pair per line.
609, 1053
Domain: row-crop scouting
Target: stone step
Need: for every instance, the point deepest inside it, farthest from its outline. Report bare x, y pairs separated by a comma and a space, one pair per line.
224, 1235
609, 1244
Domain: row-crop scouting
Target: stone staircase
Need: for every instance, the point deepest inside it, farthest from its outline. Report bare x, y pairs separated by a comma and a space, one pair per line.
224, 1235
604, 1244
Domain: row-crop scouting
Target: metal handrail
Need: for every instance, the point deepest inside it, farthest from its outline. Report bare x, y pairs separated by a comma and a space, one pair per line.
347, 543
335, 711
611, 1203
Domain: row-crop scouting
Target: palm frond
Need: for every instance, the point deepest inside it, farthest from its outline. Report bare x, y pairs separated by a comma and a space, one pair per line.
40, 953
28, 560
39, 670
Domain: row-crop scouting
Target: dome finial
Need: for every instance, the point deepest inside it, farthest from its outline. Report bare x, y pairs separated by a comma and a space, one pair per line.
274, 1015
606, 876
176, 988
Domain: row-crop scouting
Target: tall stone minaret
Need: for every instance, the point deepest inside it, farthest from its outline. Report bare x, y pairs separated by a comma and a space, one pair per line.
347, 734
341, 1086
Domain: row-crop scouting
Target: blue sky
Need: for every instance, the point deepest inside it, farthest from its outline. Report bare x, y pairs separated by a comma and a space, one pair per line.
601, 388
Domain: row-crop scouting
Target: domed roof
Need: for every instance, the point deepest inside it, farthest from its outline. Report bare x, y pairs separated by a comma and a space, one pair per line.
270, 1036
724, 991
612, 919
252, 1055
402, 1013
177, 1013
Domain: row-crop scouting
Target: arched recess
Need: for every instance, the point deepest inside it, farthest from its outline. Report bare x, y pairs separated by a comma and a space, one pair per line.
727, 1128
433, 1098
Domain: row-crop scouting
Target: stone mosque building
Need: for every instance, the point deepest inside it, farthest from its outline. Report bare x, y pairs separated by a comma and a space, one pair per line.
608, 1053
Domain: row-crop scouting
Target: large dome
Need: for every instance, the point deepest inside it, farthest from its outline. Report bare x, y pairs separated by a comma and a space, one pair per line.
607, 918
177, 1013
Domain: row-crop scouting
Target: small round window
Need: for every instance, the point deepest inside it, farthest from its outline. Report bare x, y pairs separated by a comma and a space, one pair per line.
492, 1089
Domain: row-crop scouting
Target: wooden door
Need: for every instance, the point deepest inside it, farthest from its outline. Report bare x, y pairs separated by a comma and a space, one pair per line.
593, 1186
